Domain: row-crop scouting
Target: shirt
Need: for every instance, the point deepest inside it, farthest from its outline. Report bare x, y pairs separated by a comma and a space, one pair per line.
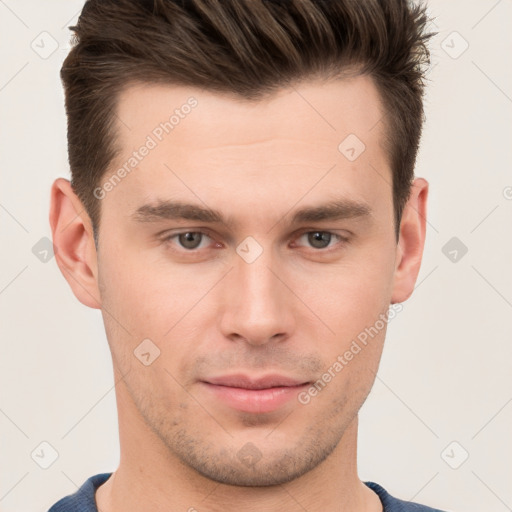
83, 500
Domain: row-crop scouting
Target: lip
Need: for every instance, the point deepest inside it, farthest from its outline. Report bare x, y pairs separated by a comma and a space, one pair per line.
254, 394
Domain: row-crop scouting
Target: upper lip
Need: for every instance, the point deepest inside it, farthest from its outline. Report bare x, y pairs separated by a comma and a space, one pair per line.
244, 381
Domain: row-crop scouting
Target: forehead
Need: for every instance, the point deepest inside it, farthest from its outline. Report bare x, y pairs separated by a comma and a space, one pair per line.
204, 144
306, 109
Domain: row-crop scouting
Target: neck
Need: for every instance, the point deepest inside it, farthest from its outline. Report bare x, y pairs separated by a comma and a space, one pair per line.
150, 477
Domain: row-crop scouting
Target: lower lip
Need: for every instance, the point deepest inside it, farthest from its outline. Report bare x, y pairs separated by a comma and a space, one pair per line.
255, 400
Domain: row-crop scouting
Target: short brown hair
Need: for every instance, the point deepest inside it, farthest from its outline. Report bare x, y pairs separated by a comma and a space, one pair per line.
249, 48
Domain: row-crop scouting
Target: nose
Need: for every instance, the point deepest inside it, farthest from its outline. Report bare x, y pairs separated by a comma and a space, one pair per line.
257, 306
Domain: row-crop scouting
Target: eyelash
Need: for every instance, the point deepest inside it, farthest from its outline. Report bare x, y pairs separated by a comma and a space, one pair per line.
341, 240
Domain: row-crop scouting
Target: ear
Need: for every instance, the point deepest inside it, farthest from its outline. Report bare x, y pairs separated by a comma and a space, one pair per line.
74, 240
410, 242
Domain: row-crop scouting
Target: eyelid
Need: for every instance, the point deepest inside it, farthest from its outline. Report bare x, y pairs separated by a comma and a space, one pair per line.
168, 235
341, 238
344, 234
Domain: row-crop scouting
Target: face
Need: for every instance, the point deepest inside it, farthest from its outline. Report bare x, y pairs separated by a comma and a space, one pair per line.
249, 250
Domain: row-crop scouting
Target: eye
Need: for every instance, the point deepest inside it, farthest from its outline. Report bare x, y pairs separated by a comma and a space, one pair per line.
321, 239
189, 240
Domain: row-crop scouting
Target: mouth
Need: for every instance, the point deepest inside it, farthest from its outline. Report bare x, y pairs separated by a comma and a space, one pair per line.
254, 394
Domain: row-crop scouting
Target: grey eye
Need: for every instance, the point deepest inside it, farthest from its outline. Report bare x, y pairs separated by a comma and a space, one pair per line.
190, 239
319, 239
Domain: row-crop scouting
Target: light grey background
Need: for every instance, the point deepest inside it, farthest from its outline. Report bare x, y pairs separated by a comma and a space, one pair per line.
445, 375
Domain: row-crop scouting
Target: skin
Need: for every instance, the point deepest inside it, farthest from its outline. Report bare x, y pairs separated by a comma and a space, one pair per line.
292, 311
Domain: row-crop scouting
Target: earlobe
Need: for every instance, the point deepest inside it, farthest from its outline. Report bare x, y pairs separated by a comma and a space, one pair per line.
411, 242
73, 237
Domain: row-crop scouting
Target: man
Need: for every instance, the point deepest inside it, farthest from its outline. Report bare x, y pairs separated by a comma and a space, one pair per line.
242, 210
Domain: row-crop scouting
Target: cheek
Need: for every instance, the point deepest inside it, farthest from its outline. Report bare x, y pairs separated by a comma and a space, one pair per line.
150, 300
351, 295
147, 297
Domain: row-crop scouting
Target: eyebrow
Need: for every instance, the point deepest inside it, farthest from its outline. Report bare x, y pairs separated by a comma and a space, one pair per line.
333, 210
176, 210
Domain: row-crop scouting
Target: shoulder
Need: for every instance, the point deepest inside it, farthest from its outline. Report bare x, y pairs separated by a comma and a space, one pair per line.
83, 499
391, 504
